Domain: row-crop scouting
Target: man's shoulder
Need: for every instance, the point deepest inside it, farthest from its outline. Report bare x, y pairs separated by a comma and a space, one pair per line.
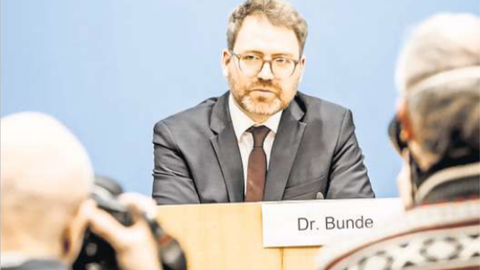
405, 236
197, 116
319, 109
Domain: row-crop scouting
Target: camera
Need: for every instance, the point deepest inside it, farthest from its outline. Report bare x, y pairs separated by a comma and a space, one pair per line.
97, 254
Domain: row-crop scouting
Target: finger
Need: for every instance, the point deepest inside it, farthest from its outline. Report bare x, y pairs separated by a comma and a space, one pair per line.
106, 226
139, 203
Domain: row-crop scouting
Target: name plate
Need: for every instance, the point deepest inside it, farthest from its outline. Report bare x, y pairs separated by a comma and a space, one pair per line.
320, 222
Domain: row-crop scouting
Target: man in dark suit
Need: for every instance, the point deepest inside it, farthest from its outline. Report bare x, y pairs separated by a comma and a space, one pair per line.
263, 140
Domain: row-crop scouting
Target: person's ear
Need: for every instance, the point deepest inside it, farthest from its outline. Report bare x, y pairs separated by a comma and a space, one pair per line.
406, 134
226, 58
72, 237
301, 65
424, 159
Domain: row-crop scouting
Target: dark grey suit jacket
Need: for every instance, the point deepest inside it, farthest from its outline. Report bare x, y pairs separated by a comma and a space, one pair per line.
197, 159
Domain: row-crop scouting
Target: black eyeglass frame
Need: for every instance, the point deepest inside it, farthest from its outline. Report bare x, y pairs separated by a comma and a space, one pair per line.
263, 64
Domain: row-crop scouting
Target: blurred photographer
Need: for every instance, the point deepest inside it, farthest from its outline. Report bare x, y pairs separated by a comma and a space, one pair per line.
436, 130
46, 178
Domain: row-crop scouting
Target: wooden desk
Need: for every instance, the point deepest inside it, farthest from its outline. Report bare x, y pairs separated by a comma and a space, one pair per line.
229, 237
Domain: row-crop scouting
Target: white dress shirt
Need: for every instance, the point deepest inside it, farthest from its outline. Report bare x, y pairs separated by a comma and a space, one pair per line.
241, 123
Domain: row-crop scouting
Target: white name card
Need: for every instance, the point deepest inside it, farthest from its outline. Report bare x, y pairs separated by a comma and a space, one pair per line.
320, 222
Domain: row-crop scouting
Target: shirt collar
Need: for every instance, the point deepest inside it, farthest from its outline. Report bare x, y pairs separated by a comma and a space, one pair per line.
241, 122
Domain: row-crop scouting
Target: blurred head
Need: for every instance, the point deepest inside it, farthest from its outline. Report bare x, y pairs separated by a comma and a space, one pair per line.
438, 116
438, 75
441, 43
264, 61
46, 177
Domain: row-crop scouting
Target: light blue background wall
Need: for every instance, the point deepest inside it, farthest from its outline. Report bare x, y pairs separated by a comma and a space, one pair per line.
110, 69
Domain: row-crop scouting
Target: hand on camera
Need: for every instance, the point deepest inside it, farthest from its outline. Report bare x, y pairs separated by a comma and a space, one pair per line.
134, 245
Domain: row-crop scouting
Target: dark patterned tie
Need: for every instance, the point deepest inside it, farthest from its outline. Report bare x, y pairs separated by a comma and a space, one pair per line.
257, 165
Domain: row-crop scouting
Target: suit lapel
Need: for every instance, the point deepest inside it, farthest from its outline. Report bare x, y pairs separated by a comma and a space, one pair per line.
284, 150
225, 145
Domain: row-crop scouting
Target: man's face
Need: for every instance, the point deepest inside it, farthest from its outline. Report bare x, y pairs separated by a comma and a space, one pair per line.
263, 94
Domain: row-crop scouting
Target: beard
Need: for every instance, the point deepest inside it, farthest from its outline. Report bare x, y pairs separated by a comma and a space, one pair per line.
260, 106
256, 102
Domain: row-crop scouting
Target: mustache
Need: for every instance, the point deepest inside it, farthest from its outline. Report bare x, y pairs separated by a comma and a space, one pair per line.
263, 85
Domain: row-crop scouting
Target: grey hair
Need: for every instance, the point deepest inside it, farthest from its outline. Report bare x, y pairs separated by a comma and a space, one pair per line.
277, 12
442, 42
446, 117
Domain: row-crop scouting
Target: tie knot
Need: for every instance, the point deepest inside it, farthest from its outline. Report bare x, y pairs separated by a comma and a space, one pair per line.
259, 134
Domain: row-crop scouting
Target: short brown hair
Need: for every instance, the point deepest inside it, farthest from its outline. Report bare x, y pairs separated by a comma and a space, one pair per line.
277, 12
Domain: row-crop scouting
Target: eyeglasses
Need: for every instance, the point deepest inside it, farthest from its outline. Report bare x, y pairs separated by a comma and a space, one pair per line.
251, 64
